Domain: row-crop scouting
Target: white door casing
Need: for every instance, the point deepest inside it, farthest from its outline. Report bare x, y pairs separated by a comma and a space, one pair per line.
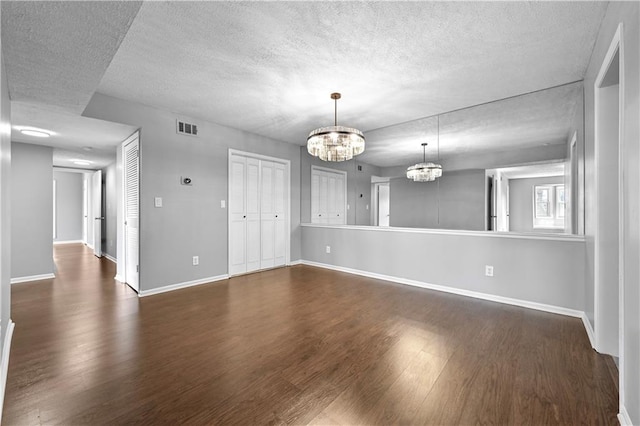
96, 200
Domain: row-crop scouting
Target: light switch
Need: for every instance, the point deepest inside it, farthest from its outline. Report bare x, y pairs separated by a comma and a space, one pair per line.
223, 204
157, 201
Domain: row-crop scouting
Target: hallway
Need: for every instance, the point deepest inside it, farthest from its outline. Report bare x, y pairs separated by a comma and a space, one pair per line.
293, 345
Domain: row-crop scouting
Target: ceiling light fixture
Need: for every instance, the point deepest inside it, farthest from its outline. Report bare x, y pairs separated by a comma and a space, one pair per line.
426, 172
335, 143
36, 133
82, 162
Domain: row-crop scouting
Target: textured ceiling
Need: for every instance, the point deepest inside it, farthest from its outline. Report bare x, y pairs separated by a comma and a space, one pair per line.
526, 121
269, 67
58, 51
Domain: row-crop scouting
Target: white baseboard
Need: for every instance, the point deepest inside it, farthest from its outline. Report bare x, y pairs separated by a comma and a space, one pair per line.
590, 333
111, 258
295, 262
623, 417
68, 242
477, 295
4, 364
32, 278
178, 286
119, 278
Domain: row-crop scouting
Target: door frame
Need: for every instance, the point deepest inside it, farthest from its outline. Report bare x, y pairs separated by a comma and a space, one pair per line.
287, 165
616, 46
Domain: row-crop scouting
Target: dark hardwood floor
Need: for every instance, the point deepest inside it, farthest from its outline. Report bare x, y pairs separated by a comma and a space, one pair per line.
296, 345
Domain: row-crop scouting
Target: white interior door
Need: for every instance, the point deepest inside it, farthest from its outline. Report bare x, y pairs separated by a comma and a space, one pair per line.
96, 201
132, 212
383, 204
258, 213
237, 216
280, 213
252, 242
328, 196
267, 214
85, 211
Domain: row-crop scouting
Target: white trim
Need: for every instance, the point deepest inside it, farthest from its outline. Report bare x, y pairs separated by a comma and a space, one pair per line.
68, 242
32, 278
476, 295
489, 234
295, 263
623, 416
111, 258
4, 366
119, 278
178, 286
589, 330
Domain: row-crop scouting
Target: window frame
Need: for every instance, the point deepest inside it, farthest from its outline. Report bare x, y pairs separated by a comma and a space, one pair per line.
555, 219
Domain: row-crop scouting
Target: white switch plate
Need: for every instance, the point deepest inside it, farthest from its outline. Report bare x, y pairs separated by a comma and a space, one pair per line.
328, 249
348, 206
196, 260
157, 201
367, 206
488, 270
223, 204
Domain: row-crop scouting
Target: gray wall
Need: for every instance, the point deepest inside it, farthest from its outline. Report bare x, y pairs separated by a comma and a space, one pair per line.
68, 206
460, 200
191, 222
31, 210
5, 203
110, 207
628, 14
521, 203
458, 261
358, 183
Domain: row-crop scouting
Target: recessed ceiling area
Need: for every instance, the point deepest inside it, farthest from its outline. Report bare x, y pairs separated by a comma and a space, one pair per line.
270, 67
74, 137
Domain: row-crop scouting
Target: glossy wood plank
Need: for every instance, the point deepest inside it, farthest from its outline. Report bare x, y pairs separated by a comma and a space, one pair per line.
297, 345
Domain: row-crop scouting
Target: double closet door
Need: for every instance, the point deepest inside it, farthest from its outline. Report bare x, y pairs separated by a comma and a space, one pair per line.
328, 196
258, 208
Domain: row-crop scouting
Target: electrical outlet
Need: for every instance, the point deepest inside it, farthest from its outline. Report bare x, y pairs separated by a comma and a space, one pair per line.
196, 260
223, 204
157, 201
488, 270
328, 249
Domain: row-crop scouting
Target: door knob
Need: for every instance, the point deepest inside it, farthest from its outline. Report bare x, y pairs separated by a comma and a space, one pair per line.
99, 218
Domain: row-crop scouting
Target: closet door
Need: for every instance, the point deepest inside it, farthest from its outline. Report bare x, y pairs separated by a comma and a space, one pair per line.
328, 197
253, 215
258, 209
340, 217
268, 214
280, 210
237, 216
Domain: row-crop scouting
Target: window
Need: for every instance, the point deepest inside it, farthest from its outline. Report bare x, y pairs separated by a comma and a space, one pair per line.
548, 206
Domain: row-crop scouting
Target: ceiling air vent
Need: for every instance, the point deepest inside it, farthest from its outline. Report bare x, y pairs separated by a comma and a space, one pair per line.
186, 128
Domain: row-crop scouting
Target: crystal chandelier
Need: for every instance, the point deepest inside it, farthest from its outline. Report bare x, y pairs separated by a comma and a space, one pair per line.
426, 172
335, 143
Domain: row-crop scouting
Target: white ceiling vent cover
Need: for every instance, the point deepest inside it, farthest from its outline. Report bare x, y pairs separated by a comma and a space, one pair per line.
186, 128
